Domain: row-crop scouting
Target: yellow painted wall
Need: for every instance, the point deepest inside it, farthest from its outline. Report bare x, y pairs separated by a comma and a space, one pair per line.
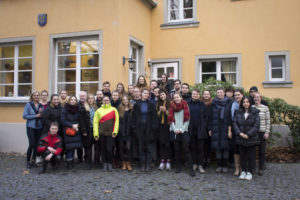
248, 27
118, 19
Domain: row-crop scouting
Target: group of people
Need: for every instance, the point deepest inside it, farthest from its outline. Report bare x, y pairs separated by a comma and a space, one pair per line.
160, 122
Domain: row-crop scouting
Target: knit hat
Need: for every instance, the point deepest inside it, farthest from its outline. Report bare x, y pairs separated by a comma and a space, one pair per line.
253, 88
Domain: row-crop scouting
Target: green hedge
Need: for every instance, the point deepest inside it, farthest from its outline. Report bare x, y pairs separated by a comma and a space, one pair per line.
280, 111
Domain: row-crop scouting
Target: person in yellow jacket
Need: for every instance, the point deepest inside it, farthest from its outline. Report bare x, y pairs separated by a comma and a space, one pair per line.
106, 127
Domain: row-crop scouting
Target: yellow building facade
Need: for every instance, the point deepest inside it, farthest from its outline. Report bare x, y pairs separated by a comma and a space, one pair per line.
83, 42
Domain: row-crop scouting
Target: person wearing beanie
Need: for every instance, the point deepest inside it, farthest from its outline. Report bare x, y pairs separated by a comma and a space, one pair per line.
253, 90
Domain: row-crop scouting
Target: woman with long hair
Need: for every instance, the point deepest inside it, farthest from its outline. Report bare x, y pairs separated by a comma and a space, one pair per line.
72, 137
207, 100
33, 113
246, 124
179, 119
87, 111
121, 89
141, 83
162, 109
124, 136
164, 83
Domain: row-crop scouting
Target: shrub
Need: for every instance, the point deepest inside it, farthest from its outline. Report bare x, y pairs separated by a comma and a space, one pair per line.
280, 111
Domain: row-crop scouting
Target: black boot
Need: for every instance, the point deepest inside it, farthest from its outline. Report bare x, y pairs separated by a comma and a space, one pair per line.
192, 172
33, 164
70, 164
143, 167
45, 163
28, 165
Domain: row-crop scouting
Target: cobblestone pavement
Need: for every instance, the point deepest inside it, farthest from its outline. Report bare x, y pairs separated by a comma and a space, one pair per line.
281, 181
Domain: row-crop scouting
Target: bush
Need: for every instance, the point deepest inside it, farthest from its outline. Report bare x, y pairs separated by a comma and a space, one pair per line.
280, 111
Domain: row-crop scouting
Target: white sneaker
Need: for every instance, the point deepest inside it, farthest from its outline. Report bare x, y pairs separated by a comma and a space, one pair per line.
168, 166
248, 176
38, 160
201, 170
161, 166
243, 175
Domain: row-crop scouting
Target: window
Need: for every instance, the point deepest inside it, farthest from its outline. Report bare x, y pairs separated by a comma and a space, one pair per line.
224, 70
277, 69
77, 65
171, 69
180, 10
16, 71
133, 73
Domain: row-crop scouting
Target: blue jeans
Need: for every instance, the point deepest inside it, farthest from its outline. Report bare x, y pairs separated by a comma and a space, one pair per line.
70, 155
33, 139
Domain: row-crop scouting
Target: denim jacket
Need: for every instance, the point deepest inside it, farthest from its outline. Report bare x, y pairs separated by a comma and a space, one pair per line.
29, 114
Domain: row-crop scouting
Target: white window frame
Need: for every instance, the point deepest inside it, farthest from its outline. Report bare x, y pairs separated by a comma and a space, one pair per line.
282, 68
137, 62
285, 81
16, 42
155, 66
78, 62
181, 12
218, 68
218, 58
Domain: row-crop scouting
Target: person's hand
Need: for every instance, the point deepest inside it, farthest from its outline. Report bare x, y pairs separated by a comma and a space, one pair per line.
84, 134
96, 138
38, 115
49, 157
114, 135
75, 127
266, 136
177, 132
162, 108
209, 133
52, 150
230, 135
246, 136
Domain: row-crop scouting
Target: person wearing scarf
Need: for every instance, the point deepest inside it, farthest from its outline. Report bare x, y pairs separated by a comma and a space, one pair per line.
220, 130
179, 119
162, 109
70, 119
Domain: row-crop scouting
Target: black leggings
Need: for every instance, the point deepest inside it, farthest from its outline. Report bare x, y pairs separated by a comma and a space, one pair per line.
106, 143
33, 139
125, 149
165, 150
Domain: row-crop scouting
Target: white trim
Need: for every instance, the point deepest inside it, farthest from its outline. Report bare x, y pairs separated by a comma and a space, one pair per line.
96, 34
169, 60
217, 57
16, 42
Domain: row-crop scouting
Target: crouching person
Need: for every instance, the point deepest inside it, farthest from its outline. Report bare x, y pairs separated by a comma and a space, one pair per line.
50, 147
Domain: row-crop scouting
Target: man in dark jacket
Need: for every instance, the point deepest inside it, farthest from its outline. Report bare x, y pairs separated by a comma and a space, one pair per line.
185, 93
50, 147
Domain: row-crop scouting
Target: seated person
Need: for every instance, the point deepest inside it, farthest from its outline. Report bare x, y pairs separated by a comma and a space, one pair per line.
50, 147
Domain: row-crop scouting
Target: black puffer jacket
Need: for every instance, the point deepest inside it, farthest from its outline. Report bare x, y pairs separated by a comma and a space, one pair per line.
220, 120
249, 126
69, 117
198, 106
51, 114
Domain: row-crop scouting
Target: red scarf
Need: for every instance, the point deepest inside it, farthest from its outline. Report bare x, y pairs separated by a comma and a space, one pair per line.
176, 108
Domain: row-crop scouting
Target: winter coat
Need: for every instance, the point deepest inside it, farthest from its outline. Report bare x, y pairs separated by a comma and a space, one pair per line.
201, 121
30, 112
48, 140
51, 114
166, 87
106, 121
115, 103
85, 127
220, 120
151, 123
124, 124
67, 120
187, 97
249, 126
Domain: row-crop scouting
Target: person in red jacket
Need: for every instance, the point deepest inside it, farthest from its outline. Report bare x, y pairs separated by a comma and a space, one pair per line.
50, 147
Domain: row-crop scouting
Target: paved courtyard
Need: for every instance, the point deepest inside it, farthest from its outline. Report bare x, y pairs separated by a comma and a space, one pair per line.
281, 181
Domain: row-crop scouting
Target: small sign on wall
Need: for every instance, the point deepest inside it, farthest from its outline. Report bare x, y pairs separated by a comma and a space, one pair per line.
42, 19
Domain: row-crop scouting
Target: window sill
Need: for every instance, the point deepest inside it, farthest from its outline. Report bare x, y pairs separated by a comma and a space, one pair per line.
278, 84
14, 101
184, 24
